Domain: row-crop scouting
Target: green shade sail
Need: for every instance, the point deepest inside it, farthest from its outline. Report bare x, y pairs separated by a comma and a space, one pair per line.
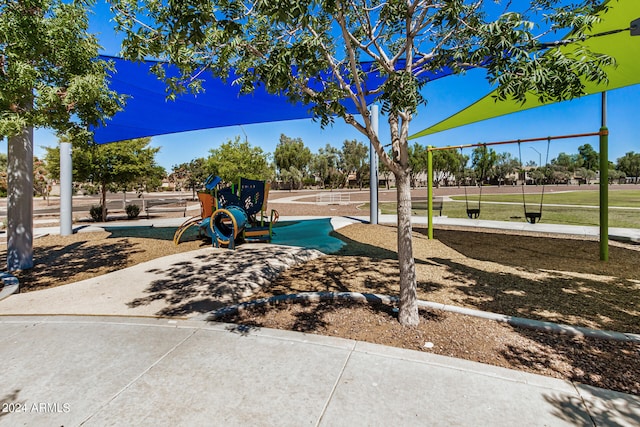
622, 46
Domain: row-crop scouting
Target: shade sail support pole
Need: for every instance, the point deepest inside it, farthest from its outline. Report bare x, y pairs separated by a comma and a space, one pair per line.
430, 193
604, 183
66, 189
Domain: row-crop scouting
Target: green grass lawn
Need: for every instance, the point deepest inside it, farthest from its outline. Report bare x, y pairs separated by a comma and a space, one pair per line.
572, 215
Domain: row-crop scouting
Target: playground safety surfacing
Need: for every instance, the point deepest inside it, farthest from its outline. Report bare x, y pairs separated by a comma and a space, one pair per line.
310, 234
305, 233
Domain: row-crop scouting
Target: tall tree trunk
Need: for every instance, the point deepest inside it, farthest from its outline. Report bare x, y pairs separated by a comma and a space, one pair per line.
20, 201
103, 202
408, 315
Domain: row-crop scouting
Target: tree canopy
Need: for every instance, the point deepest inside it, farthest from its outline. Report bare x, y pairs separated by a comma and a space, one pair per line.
630, 164
354, 158
238, 159
49, 72
190, 175
291, 152
320, 52
483, 160
292, 159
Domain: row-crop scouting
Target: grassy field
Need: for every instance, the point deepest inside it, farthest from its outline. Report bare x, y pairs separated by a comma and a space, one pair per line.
508, 207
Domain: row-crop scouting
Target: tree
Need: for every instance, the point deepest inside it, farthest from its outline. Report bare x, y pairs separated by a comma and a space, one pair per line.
190, 175
291, 152
464, 172
353, 158
238, 159
418, 161
385, 172
615, 175
505, 166
49, 77
336, 174
41, 184
311, 51
446, 164
150, 181
537, 175
483, 160
293, 176
319, 167
565, 161
586, 174
324, 164
292, 160
197, 174
116, 166
629, 164
589, 158
559, 174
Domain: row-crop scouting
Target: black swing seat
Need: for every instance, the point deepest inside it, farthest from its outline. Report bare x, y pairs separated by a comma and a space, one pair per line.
473, 213
533, 217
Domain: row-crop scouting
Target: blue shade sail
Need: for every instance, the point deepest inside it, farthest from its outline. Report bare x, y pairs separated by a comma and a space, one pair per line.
149, 113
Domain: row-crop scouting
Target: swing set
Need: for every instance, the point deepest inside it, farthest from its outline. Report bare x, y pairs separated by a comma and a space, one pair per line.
531, 214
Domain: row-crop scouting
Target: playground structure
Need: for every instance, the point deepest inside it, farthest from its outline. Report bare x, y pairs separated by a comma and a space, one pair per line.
232, 214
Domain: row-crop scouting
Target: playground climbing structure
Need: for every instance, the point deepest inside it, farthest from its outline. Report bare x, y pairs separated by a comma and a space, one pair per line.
233, 214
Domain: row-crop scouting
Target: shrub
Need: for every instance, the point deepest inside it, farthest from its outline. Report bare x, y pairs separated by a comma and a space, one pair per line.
89, 190
132, 211
309, 182
96, 213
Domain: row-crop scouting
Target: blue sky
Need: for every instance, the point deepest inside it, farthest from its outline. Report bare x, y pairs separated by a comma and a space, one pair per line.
445, 97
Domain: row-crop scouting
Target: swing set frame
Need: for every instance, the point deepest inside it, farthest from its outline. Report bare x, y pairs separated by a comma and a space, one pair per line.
533, 216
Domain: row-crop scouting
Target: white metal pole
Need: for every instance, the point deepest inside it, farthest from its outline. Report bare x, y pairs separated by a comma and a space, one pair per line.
373, 164
66, 189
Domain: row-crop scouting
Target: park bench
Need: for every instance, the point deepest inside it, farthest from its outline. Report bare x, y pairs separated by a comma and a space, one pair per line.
437, 204
165, 205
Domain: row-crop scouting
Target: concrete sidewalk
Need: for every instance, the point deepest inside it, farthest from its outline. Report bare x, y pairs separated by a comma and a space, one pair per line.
97, 371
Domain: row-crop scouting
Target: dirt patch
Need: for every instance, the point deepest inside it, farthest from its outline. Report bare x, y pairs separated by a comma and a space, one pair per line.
595, 362
59, 260
471, 269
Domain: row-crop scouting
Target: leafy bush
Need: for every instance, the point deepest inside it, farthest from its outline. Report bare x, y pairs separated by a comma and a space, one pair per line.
132, 211
89, 190
309, 182
96, 213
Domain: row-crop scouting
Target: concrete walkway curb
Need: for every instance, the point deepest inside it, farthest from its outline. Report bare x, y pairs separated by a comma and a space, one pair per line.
520, 322
10, 285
